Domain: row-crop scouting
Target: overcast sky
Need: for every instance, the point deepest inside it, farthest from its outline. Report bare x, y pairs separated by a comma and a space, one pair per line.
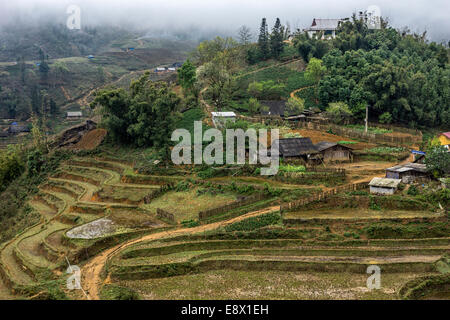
418, 15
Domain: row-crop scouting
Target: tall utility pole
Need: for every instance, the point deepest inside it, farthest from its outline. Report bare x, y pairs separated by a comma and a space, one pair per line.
367, 118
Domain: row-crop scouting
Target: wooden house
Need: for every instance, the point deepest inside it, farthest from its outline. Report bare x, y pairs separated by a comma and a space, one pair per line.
296, 148
332, 151
408, 172
384, 186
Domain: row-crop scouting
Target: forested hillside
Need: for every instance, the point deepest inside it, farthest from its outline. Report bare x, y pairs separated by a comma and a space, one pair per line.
402, 77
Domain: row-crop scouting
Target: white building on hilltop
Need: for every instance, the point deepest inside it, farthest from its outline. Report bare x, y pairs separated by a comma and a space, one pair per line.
327, 27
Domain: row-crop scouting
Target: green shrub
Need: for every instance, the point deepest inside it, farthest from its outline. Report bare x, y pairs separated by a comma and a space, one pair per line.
114, 292
412, 191
254, 223
190, 223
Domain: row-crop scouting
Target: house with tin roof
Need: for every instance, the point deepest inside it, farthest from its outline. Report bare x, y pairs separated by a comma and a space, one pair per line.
326, 27
333, 151
220, 118
384, 186
408, 172
296, 148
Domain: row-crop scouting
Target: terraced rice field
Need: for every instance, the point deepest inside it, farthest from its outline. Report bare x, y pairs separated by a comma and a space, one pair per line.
99, 214
359, 214
81, 193
65, 201
273, 269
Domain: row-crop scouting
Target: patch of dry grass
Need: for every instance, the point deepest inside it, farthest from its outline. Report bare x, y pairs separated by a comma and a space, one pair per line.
186, 205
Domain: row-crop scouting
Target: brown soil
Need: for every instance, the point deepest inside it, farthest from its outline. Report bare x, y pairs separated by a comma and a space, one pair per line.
318, 136
91, 140
93, 269
398, 135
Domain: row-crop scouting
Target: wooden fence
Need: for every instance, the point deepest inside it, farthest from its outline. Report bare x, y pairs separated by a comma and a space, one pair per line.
361, 135
318, 173
325, 125
228, 207
165, 215
157, 193
321, 196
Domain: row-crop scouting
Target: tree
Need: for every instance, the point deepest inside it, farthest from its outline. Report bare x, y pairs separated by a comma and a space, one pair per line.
255, 89
276, 39
60, 71
21, 63
219, 80
314, 72
338, 112
208, 50
294, 106
35, 101
54, 110
263, 40
385, 118
254, 106
101, 76
143, 116
437, 161
187, 76
245, 35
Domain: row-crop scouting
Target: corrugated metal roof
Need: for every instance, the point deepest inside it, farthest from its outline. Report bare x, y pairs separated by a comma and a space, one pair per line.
420, 167
227, 114
74, 114
446, 134
324, 24
323, 145
295, 147
385, 182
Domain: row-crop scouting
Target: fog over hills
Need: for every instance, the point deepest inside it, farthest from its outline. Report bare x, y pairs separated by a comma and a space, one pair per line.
227, 15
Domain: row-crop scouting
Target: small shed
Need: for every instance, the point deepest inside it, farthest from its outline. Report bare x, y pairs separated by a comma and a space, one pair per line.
275, 108
332, 151
408, 172
384, 186
220, 118
301, 148
160, 69
74, 115
16, 129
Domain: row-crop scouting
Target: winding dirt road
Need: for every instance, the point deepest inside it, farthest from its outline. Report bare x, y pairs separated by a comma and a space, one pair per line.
91, 272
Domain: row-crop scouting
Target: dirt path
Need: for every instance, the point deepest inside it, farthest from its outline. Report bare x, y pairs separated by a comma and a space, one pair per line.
207, 108
293, 93
83, 100
66, 95
268, 67
91, 272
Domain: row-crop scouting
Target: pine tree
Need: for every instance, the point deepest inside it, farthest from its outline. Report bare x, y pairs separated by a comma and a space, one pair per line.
35, 101
263, 40
53, 107
276, 39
